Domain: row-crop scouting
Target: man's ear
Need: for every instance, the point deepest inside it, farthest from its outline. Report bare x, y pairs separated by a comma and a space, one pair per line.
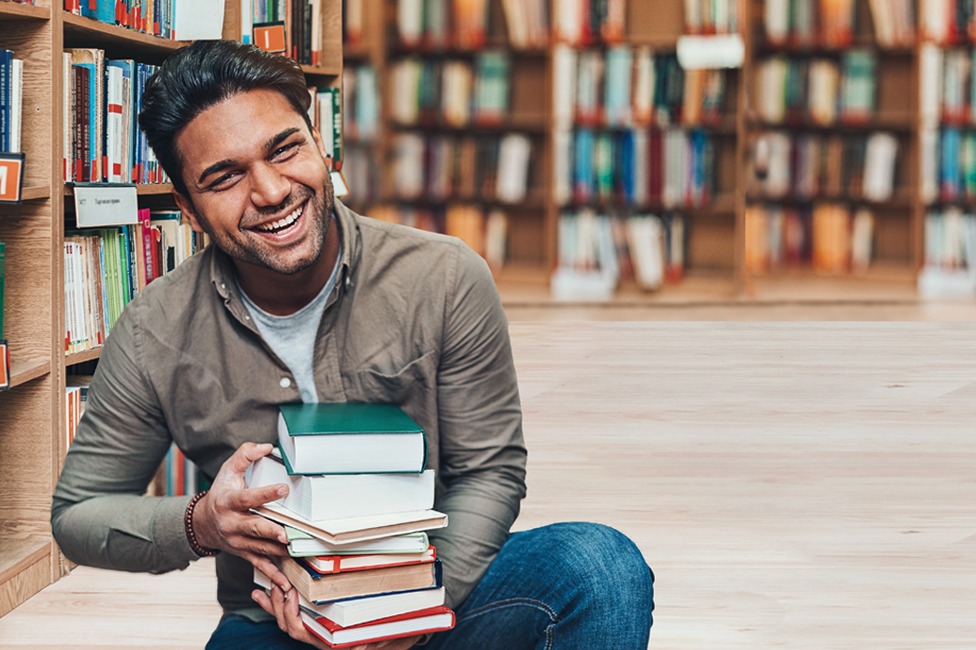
186, 207
318, 142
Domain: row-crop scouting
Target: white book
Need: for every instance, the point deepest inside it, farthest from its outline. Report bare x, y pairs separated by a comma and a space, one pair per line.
67, 123
879, 166
15, 110
337, 496
930, 86
410, 21
354, 611
777, 22
862, 233
643, 110
198, 20
247, 20
564, 85
562, 143
351, 530
513, 167
645, 236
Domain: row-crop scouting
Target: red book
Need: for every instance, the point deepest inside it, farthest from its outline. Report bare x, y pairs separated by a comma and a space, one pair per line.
655, 165
342, 563
435, 619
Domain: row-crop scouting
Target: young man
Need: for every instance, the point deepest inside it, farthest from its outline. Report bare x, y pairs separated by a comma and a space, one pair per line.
300, 299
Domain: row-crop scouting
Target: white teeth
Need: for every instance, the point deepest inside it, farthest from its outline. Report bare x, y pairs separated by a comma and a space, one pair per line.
283, 222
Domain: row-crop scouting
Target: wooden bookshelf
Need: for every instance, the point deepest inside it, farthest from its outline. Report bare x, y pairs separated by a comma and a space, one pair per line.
33, 410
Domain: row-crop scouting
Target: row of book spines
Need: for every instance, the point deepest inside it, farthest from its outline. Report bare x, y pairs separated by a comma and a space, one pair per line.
820, 90
827, 237
361, 102
182, 477
954, 158
647, 247
950, 239
711, 17
671, 167
634, 86
3, 265
325, 112
806, 166
147, 16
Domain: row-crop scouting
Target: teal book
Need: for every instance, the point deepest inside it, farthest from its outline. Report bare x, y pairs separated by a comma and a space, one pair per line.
346, 438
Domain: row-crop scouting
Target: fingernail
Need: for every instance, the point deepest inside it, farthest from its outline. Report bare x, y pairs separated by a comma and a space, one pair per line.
282, 491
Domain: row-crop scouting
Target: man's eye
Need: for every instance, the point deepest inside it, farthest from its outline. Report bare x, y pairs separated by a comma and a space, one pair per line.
286, 151
223, 182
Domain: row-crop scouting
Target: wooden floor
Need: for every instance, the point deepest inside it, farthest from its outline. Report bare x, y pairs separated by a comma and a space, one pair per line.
793, 485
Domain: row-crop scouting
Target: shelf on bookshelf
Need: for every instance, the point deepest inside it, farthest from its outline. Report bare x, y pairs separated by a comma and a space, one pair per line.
902, 125
901, 201
722, 203
790, 49
142, 190
965, 204
400, 50
35, 193
18, 554
879, 283
17, 11
357, 54
23, 371
82, 357
726, 126
535, 201
117, 41
531, 125
322, 70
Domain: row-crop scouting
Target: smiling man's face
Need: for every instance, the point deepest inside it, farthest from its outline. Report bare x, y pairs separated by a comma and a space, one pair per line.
257, 181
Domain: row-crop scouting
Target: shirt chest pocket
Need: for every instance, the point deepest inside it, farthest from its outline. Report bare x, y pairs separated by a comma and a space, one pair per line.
408, 383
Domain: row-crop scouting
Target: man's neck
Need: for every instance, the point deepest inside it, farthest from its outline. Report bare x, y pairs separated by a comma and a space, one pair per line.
282, 295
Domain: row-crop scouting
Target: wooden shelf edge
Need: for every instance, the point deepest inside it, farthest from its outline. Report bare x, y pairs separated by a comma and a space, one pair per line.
17, 10
24, 371
77, 23
82, 357
324, 71
146, 189
35, 193
19, 555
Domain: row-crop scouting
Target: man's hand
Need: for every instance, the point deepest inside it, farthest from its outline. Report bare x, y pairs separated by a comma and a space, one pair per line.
284, 607
222, 519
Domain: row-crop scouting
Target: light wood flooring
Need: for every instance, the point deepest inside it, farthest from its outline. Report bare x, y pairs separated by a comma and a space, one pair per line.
793, 485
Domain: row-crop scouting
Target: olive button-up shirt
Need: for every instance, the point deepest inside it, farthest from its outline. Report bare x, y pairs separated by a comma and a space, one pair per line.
414, 319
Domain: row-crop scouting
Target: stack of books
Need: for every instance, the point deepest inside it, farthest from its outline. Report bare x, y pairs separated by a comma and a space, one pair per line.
359, 502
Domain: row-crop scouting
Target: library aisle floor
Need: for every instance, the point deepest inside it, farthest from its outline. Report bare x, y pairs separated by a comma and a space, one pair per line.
794, 485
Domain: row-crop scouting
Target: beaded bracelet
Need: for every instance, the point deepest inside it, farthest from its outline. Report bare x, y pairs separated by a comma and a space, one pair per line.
188, 527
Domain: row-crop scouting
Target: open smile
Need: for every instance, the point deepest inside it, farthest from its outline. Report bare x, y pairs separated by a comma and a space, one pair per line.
283, 225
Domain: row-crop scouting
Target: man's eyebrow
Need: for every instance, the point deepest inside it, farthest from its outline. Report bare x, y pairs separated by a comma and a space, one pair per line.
272, 142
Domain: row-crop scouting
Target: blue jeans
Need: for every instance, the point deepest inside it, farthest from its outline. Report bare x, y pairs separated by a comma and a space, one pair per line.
564, 586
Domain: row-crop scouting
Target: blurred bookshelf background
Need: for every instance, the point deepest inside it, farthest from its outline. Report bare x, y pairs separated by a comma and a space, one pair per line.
589, 158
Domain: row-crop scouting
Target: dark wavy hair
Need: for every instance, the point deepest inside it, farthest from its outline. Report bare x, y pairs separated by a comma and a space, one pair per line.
206, 73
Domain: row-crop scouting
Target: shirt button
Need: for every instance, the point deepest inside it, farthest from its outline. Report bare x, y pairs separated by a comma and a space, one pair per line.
246, 317
285, 382
223, 286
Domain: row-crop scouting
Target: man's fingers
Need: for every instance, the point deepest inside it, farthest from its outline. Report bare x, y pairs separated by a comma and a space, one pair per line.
248, 498
263, 600
268, 568
242, 458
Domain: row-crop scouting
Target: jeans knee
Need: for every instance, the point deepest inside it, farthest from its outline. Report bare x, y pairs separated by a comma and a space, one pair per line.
602, 560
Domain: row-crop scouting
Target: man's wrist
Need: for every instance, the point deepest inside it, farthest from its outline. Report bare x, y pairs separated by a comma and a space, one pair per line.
191, 536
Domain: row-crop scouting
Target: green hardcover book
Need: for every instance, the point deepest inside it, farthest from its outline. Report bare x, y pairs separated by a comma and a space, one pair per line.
344, 438
2, 264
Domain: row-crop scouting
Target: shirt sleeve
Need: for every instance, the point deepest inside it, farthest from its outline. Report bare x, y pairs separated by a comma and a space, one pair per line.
482, 454
99, 515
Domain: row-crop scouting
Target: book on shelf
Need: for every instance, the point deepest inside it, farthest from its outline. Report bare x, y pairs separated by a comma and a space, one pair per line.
334, 496
325, 112
442, 23
808, 166
826, 237
528, 22
362, 609
360, 97
299, 23
353, 530
102, 141
950, 240
435, 619
352, 22
712, 16
11, 101
301, 544
349, 438
582, 22
325, 587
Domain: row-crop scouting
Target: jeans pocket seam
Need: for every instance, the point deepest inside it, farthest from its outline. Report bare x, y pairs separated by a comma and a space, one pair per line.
509, 602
